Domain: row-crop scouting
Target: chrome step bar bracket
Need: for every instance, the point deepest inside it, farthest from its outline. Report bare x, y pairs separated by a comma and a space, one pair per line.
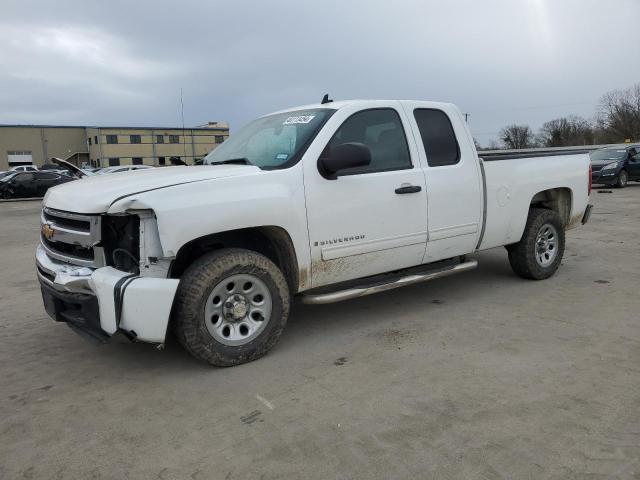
348, 294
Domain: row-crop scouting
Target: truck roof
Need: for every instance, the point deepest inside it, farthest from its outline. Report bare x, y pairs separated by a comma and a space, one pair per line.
362, 103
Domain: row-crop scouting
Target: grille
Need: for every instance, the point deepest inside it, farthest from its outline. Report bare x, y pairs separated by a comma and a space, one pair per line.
596, 168
83, 225
85, 253
71, 237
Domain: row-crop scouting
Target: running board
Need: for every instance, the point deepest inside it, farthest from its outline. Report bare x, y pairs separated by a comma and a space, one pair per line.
356, 292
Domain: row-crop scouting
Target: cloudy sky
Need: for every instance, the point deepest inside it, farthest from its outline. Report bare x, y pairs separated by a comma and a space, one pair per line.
124, 63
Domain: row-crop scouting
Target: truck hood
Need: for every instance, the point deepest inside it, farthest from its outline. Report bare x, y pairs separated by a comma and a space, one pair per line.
94, 194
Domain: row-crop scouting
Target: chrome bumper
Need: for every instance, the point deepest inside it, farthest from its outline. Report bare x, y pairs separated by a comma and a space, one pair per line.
141, 308
62, 276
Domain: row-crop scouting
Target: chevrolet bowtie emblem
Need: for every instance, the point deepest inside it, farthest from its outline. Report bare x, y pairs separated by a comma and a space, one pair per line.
47, 231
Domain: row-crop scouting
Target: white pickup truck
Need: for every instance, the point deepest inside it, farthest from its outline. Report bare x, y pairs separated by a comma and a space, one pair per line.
327, 202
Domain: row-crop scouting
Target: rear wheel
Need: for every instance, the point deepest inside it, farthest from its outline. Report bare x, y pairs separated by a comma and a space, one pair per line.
623, 178
538, 254
231, 307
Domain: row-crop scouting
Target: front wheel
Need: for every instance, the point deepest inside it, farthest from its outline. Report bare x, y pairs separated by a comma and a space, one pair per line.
231, 307
538, 254
623, 178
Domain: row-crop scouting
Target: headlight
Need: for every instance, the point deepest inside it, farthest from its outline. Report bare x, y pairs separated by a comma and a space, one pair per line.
121, 241
610, 166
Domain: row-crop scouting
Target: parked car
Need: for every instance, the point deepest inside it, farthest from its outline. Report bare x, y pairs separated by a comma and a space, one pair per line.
126, 168
30, 184
329, 202
616, 165
24, 168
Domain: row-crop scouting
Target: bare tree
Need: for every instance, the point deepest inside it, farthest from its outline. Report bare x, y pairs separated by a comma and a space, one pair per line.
493, 145
517, 136
566, 131
619, 114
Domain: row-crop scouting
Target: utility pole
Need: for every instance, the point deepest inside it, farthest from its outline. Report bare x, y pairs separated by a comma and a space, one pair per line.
184, 139
466, 117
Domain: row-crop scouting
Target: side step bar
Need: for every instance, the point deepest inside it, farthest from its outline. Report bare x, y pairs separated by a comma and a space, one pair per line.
356, 292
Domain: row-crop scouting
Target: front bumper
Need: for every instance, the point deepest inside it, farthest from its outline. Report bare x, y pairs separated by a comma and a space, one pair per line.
600, 179
97, 303
79, 310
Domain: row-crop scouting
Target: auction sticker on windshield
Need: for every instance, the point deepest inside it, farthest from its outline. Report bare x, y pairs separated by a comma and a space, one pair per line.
299, 119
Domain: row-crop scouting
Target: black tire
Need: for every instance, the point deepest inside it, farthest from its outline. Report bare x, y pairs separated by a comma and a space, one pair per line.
199, 280
522, 255
623, 179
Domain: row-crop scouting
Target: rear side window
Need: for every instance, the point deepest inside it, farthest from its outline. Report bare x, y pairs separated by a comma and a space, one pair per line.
438, 137
380, 130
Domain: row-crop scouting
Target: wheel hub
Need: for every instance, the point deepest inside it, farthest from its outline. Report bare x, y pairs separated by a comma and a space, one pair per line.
236, 307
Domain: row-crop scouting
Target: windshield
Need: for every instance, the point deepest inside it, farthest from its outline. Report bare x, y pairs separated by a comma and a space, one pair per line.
608, 154
8, 177
273, 141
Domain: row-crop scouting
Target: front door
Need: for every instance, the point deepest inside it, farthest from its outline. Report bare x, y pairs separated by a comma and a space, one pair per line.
369, 219
633, 166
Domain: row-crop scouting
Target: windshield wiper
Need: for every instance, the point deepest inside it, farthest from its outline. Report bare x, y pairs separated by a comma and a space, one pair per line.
240, 161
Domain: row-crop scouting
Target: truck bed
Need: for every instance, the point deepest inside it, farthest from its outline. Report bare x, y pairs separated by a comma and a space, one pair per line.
512, 182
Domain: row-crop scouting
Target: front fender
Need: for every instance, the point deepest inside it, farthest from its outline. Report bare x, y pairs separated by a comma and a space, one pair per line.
190, 211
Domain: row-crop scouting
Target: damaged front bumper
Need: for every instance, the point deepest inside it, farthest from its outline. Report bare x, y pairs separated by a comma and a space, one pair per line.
97, 303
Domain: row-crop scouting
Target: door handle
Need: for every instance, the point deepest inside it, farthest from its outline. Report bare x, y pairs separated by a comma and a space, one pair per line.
408, 189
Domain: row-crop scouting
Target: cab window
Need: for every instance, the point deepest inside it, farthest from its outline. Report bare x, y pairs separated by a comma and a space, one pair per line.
379, 129
438, 138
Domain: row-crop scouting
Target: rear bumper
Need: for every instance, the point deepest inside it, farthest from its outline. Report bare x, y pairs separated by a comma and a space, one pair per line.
97, 303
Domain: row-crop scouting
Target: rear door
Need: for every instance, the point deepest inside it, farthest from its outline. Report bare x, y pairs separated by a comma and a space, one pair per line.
370, 219
46, 180
453, 179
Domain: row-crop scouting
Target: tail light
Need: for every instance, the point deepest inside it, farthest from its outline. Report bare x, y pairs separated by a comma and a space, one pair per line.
590, 180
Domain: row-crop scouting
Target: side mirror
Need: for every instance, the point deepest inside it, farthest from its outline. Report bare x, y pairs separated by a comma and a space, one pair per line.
343, 156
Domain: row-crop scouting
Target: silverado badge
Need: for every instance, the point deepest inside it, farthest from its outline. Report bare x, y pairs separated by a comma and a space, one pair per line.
47, 231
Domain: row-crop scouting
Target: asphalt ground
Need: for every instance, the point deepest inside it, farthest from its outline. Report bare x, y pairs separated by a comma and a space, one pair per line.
480, 375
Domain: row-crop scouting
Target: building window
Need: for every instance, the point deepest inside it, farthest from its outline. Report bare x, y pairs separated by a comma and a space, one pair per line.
95, 139
112, 139
136, 160
135, 139
114, 162
89, 139
174, 139
162, 161
159, 138
219, 138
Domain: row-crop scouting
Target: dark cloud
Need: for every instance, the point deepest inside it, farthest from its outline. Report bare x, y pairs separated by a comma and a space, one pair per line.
502, 61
